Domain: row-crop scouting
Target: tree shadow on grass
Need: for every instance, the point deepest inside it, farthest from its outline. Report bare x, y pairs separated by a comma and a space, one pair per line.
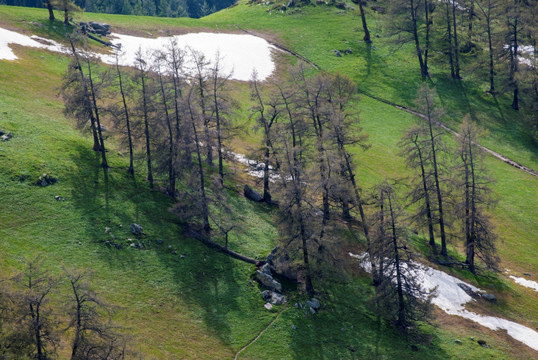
214, 286
490, 112
347, 328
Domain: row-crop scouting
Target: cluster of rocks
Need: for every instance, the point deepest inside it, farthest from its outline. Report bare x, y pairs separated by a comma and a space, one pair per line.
46, 180
338, 53
137, 230
281, 263
59, 198
482, 343
311, 305
141, 242
343, 6
4, 136
95, 28
476, 294
273, 294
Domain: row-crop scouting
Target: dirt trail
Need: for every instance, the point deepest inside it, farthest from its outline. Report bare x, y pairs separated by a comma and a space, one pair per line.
259, 335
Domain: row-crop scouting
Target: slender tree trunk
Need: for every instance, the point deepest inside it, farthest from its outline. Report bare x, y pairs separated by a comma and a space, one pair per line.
78, 323
36, 317
514, 68
209, 158
358, 200
471, 18
266, 133
473, 205
469, 246
366, 37
219, 135
456, 45
205, 208
146, 128
295, 170
87, 100
51, 13
444, 251
104, 162
66, 17
399, 283
171, 171
449, 38
428, 26
127, 120
423, 69
491, 63
427, 200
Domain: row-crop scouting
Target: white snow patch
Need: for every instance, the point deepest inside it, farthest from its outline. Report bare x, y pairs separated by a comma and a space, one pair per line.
254, 168
525, 55
240, 54
8, 37
524, 282
451, 299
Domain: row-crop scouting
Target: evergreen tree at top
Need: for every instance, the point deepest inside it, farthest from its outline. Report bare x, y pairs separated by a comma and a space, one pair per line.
67, 6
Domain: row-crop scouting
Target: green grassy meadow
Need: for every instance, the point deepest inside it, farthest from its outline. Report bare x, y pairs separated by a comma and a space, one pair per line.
205, 305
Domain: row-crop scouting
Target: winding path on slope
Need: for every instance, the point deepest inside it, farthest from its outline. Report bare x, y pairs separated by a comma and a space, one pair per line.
401, 107
259, 335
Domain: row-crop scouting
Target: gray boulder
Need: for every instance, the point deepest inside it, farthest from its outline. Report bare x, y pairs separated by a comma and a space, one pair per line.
490, 297
137, 229
46, 180
266, 269
314, 303
274, 297
99, 28
268, 281
337, 53
468, 290
7, 136
282, 264
252, 194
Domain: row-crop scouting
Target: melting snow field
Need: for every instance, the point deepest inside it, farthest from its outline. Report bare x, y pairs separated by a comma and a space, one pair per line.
524, 282
451, 299
240, 54
11, 37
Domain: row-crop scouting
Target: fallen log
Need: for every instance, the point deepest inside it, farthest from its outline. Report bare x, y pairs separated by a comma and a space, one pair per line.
100, 41
196, 235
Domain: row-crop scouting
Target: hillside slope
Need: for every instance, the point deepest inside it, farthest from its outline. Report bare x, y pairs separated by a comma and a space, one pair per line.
204, 305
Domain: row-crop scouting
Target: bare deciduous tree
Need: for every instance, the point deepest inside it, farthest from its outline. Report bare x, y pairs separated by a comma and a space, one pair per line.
399, 293
479, 236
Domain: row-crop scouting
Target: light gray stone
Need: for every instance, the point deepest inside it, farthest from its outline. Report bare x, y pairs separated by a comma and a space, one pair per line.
314, 303
136, 229
268, 281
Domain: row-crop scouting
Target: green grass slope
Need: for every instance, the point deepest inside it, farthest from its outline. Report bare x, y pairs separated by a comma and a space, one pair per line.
205, 305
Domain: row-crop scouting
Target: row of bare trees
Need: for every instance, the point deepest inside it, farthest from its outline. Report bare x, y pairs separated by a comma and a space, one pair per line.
35, 323
481, 34
176, 114
310, 126
172, 110
444, 184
